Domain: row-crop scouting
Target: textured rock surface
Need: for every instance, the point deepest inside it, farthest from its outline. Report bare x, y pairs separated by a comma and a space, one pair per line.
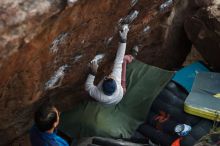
193, 56
20, 22
45, 46
203, 29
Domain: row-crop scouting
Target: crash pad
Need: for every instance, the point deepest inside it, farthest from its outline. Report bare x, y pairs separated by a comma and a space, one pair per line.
91, 118
185, 76
166, 112
202, 101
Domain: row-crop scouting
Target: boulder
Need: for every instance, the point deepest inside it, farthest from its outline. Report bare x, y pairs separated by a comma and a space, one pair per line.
203, 29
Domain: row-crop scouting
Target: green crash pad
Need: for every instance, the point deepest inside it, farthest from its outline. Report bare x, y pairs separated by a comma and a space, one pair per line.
204, 99
90, 118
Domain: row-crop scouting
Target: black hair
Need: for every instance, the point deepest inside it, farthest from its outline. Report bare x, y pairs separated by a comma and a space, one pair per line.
109, 86
45, 117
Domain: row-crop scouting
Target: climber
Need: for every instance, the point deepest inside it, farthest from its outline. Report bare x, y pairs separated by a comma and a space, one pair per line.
44, 132
110, 89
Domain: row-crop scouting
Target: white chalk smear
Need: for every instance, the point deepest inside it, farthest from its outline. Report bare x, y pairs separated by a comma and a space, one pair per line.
130, 18
146, 29
58, 76
71, 2
98, 58
54, 46
107, 41
77, 58
165, 5
133, 2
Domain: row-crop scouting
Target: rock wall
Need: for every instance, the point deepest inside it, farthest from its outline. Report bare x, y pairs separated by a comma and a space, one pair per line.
203, 29
45, 46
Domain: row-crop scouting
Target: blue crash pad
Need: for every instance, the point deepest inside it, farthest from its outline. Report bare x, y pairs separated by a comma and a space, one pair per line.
186, 76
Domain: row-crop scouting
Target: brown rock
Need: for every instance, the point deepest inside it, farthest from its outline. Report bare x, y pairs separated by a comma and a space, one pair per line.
203, 29
20, 21
175, 45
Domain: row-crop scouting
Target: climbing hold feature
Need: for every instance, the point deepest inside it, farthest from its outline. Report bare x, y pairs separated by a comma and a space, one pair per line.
146, 29
58, 76
133, 2
58, 40
98, 58
129, 18
165, 5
